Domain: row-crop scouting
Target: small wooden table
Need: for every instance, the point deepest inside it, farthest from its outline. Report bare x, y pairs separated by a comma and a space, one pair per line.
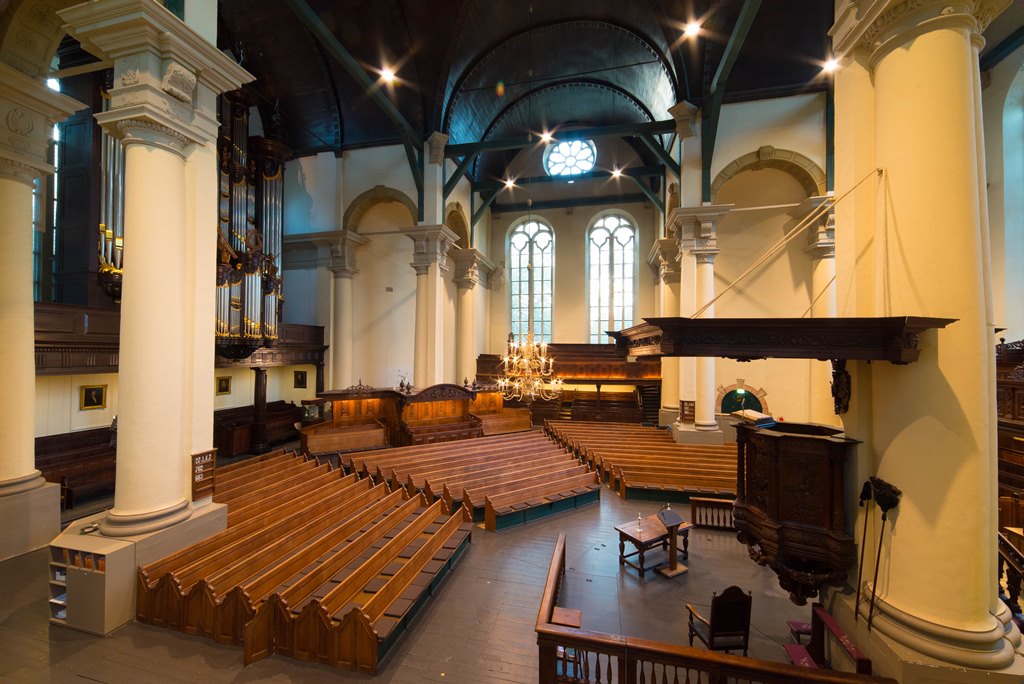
645, 534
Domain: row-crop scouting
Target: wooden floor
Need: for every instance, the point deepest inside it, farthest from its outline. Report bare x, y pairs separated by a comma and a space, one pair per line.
478, 629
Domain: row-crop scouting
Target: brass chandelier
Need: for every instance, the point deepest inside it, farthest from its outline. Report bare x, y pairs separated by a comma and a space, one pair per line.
527, 372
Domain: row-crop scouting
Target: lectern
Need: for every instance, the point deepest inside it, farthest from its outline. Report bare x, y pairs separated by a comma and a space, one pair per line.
672, 520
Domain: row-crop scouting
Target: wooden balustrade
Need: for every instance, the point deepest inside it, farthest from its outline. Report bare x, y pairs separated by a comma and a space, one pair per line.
570, 654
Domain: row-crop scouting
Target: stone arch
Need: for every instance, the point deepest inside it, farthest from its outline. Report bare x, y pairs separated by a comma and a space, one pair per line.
759, 392
376, 195
30, 32
808, 174
455, 218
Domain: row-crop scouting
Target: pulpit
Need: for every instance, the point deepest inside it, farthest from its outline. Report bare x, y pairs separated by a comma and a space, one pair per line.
789, 504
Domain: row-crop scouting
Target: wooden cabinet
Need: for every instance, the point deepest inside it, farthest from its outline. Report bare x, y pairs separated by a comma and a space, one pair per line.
789, 504
91, 581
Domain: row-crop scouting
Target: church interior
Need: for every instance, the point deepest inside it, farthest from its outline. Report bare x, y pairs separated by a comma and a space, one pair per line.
654, 341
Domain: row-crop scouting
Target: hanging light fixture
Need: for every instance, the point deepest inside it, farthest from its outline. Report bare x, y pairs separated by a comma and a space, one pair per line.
527, 371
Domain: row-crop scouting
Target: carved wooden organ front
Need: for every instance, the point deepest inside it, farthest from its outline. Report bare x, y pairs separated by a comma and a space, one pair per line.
249, 234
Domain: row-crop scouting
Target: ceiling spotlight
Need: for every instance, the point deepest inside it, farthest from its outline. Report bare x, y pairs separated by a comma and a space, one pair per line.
830, 66
545, 137
616, 172
692, 29
387, 75
510, 183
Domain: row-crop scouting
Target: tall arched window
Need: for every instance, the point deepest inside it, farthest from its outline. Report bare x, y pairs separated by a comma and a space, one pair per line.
531, 247
611, 247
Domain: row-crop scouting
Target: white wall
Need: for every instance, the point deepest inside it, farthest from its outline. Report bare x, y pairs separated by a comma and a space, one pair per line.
778, 288
792, 123
311, 185
384, 301
57, 403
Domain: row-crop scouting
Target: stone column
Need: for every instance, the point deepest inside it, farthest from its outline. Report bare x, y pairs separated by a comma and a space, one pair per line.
931, 430
664, 261
695, 232
166, 81
471, 269
29, 109
822, 248
430, 261
343, 265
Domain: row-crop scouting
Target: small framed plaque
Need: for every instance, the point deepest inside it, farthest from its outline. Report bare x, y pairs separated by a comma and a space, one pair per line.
224, 384
300, 379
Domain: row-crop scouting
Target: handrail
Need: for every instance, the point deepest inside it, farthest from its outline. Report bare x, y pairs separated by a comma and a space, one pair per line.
577, 656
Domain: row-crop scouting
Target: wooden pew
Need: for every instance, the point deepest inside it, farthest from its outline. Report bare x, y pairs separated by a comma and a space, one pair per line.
522, 505
83, 463
825, 628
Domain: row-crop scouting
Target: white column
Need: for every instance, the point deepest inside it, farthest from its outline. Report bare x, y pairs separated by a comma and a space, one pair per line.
32, 507
704, 416
664, 261
471, 269
822, 248
931, 430
433, 179
430, 261
166, 81
343, 265
695, 231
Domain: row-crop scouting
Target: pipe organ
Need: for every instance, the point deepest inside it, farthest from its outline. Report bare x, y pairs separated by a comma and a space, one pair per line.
249, 234
111, 238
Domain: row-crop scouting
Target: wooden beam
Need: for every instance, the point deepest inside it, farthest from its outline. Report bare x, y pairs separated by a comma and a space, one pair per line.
661, 153
449, 186
640, 171
646, 189
713, 102
570, 202
619, 131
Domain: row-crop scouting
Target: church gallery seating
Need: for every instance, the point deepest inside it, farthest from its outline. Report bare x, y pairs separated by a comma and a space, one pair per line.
313, 564
82, 463
503, 480
232, 427
645, 462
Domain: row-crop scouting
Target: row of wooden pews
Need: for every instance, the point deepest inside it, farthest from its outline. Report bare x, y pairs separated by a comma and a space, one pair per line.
645, 462
313, 564
83, 463
503, 480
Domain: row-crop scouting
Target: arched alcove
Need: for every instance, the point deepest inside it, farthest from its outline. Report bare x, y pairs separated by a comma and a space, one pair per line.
455, 219
808, 174
376, 195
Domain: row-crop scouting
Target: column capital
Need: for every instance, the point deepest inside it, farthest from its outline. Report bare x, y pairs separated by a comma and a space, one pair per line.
165, 73
696, 228
430, 246
435, 147
821, 233
28, 110
879, 26
685, 116
343, 253
471, 268
664, 260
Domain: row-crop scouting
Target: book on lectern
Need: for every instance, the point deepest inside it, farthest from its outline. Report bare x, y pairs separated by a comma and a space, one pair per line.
668, 517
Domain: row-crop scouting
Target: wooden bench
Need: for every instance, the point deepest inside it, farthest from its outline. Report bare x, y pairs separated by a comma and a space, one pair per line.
523, 505
823, 628
326, 437
232, 427
506, 421
83, 463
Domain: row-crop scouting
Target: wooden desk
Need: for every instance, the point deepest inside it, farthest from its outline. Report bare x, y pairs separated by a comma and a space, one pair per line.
645, 534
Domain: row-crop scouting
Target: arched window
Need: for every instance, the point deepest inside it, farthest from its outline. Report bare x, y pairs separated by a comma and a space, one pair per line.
611, 252
740, 399
531, 247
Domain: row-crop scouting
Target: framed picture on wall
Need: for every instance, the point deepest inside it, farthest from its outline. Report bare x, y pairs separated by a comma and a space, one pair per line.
224, 384
300, 380
92, 397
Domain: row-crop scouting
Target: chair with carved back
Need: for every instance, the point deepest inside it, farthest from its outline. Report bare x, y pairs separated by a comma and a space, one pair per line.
728, 629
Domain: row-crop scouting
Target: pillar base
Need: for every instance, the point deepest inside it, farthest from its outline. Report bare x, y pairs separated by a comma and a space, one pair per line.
915, 651
688, 434
21, 484
121, 525
668, 416
35, 514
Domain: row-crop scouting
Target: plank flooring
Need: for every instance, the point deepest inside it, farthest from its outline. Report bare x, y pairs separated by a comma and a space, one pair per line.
478, 629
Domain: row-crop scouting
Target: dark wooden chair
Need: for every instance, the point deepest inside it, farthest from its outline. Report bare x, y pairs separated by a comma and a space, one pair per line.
729, 626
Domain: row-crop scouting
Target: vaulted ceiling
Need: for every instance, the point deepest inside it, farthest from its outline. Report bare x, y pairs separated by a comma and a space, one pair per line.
481, 70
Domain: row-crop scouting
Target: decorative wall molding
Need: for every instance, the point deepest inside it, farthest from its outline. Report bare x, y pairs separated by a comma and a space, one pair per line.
430, 246
810, 176
471, 268
664, 260
378, 194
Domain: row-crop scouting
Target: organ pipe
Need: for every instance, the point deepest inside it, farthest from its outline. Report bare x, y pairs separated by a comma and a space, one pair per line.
249, 234
111, 228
